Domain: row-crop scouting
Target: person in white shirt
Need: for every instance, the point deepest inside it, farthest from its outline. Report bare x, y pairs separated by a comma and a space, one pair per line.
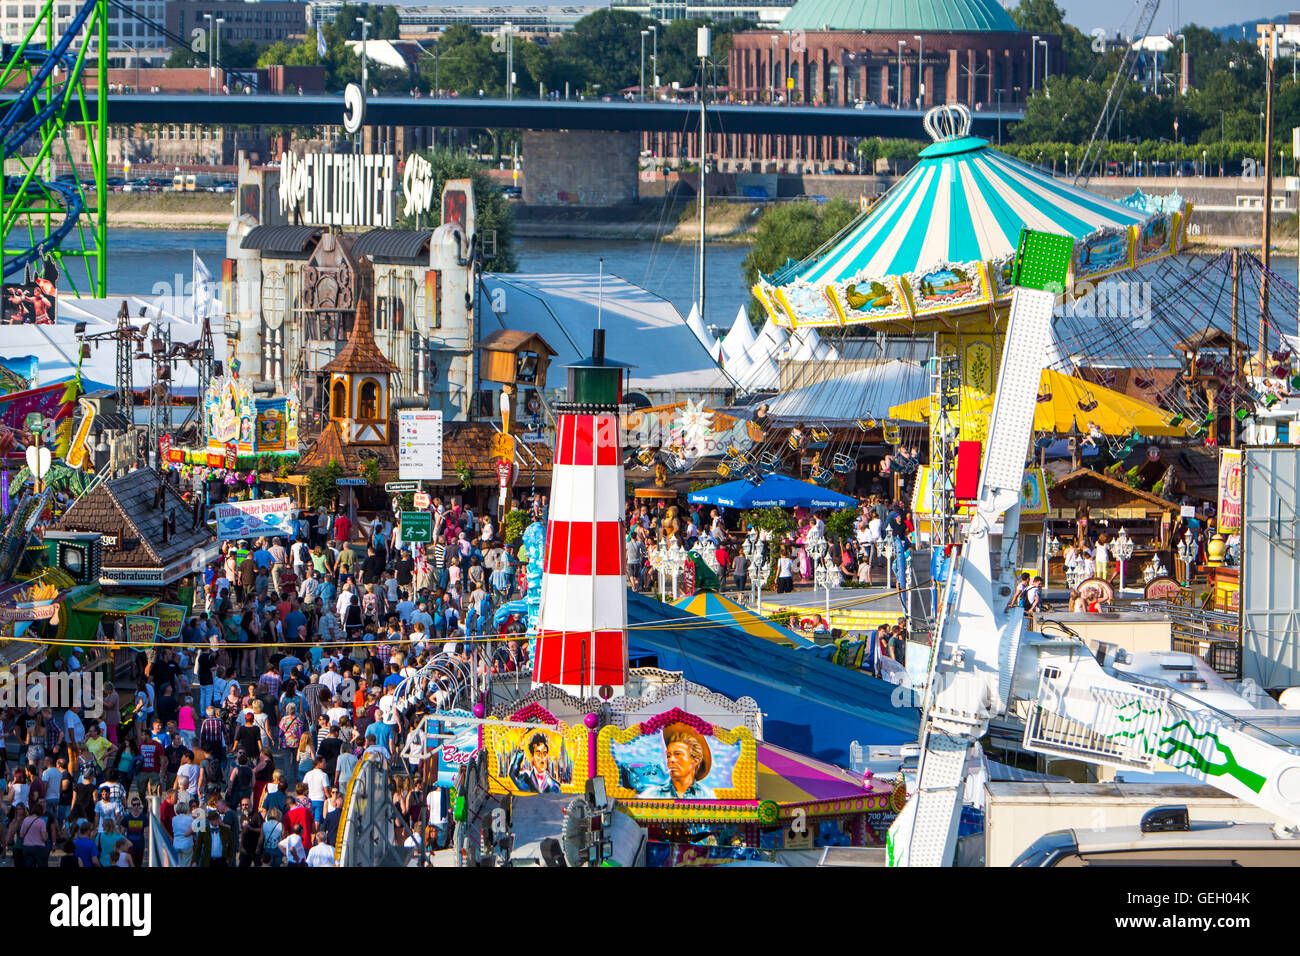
322, 854
331, 678
292, 848
317, 781
1101, 557
337, 713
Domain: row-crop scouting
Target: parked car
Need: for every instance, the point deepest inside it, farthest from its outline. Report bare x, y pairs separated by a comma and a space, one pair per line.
225, 187
512, 192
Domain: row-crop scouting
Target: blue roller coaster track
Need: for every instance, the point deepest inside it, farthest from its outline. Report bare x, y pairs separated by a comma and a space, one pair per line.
57, 219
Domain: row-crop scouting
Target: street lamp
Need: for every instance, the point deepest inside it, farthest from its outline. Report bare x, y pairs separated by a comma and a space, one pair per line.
888, 547
365, 63
1033, 62
674, 562
1046, 91
901, 44
920, 70
508, 33
1135, 163
220, 20
654, 58
771, 91
998, 97
1053, 549
640, 90
1122, 546
815, 545
211, 73
1204, 160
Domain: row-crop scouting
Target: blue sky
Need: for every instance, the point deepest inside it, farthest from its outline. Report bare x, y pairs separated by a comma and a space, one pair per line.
1086, 14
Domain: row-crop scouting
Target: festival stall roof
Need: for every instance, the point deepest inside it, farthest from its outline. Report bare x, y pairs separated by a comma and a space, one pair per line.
1066, 402
864, 393
810, 705
1106, 497
56, 347
715, 607
145, 550
640, 327
787, 778
780, 491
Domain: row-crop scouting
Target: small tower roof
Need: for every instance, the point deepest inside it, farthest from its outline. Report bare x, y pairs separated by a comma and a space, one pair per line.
360, 354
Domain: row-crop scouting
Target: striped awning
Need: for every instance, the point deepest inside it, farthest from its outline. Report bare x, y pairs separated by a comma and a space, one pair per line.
725, 612
943, 239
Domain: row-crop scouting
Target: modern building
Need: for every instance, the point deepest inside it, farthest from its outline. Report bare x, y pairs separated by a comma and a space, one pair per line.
1287, 34
262, 21
418, 23
134, 27
760, 11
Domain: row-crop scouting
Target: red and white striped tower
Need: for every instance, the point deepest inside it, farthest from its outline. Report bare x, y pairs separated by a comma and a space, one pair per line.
582, 624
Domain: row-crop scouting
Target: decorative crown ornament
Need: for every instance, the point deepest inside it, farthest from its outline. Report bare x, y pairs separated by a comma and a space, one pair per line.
947, 122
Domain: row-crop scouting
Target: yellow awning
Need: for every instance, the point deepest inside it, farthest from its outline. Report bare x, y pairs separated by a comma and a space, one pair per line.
1064, 400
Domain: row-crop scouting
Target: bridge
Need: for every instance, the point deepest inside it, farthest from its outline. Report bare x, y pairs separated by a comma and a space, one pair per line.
470, 111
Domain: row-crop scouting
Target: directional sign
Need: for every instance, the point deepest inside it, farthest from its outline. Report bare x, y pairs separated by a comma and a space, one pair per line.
417, 526
399, 487
350, 482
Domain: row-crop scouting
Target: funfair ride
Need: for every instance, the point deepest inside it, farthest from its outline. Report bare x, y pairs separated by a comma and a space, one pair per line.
53, 81
985, 663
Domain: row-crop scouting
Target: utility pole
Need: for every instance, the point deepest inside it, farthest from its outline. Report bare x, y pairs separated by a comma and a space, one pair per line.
365, 63
208, 17
703, 46
1236, 362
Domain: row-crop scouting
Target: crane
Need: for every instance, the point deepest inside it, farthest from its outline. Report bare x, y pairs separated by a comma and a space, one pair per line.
983, 656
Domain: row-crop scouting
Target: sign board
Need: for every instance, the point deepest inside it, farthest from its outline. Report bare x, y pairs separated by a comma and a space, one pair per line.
141, 630
349, 482
165, 448
170, 617
399, 487
421, 500
232, 455
253, 519
503, 474
533, 438
419, 445
417, 526
1187, 511
502, 446
338, 189
1229, 510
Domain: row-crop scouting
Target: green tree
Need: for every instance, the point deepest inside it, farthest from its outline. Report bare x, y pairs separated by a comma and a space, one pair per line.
790, 232
606, 48
1045, 17
390, 23
322, 484
491, 209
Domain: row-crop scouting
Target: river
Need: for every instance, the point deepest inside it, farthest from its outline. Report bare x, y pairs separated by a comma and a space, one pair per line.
139, 259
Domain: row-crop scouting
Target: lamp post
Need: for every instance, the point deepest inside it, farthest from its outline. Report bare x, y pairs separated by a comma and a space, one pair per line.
1052, 550
1153, 569
817, 548
1033, 62
1123, 548
1067, 164
888, 547
640, 90
365, 63
211, 73
920, 70
998, 96
1182, 66
1204, 160
508, 32
675, 560
654, 58
1135, 163
901, 44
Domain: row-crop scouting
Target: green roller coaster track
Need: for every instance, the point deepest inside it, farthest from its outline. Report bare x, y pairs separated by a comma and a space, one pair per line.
47, 77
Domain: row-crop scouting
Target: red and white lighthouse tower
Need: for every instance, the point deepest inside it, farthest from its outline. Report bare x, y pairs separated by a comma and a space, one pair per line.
582, 624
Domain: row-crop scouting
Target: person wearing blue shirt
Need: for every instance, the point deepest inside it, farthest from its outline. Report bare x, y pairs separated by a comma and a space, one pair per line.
263, 559
325, 596
292, 621
382, 733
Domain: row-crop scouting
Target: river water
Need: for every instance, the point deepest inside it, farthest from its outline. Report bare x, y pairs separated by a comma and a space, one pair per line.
139, 259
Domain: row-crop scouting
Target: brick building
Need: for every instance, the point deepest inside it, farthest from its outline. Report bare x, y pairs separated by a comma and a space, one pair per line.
897, 54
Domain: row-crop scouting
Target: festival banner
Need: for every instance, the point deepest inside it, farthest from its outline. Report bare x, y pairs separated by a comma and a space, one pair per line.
253, 519
453, 737
141, 630
46, 401
170, 618
677, 756
549, 757
1229, 511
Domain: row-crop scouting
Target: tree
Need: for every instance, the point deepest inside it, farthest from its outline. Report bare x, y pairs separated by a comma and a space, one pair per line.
1044, 17
491, 209
792, 232
322, 484
606, 47
390, 24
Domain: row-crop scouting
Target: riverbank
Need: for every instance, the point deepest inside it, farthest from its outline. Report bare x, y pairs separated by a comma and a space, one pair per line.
654, 221
167, 210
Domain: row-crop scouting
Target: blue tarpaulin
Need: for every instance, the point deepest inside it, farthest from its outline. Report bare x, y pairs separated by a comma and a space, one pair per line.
779, 491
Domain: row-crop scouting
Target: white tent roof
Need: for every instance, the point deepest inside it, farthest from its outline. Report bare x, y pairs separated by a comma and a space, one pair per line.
769, 341
696, 325
804, 345
740, 339
641, 329
866, 393
56, 348
715, 351
765, 374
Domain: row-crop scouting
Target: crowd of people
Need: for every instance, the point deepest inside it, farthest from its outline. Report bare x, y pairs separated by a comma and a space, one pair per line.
288, 673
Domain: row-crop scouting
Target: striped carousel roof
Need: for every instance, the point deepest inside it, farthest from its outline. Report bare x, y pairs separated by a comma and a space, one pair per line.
963, 202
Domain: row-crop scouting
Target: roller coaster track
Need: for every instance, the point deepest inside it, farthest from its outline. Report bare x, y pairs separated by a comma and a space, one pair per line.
54, 216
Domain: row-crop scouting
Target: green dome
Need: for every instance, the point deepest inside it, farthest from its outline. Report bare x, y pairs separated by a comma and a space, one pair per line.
912, 16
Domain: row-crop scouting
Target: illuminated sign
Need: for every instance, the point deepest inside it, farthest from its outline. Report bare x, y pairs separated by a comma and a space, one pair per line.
417, 185
338, 189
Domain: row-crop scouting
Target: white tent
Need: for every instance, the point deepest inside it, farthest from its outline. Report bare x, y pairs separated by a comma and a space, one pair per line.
696, 325
740, 339
765, 374
804, 344
716, 350
769, 342
739, 368
641, 328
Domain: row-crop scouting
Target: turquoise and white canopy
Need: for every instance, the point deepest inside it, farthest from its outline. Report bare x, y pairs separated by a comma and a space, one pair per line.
938, 241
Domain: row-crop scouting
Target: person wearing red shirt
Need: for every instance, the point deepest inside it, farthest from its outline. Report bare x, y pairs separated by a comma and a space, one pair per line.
167, 811
153, 759
300, 816
342, 532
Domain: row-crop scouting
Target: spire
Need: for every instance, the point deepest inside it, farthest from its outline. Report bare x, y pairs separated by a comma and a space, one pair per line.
360, 354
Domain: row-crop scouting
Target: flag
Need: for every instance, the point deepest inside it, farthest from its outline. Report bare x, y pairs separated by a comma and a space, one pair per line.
205, 289
160, 847
320, 42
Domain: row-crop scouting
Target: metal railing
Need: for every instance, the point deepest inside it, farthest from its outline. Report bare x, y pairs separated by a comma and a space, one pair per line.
1213, 636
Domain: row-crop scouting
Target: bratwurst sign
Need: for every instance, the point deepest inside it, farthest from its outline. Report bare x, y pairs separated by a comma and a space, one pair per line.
338, 189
